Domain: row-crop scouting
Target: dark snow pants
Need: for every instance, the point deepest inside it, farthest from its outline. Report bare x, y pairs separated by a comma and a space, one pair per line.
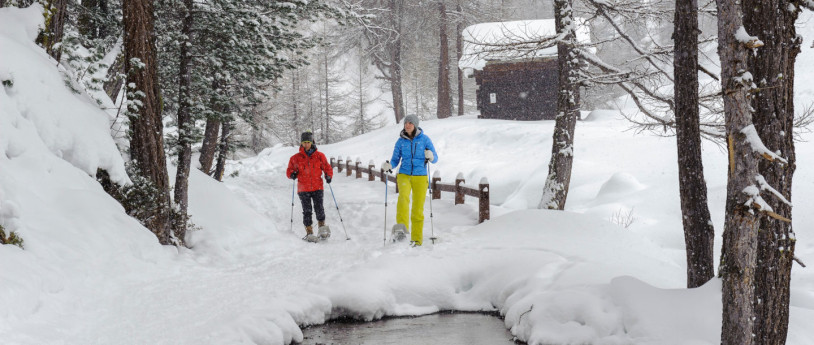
307, 198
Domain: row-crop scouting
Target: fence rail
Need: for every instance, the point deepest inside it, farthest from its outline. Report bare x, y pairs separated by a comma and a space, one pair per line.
460, 190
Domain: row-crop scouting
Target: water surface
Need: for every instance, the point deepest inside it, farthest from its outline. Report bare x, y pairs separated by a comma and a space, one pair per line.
442, 328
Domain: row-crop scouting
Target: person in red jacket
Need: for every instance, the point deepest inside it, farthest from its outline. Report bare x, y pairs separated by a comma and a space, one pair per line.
308, 166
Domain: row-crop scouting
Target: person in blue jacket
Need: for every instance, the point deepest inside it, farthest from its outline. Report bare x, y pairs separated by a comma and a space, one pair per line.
414, 151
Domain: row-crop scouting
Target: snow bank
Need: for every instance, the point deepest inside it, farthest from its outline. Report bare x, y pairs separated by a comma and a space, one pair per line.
52, 142
557, 277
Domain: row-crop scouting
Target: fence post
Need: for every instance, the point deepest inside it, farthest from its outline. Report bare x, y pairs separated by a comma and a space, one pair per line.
459, 189
483, 201
339, 165
332, 162
370, 167
436, 193
348, 166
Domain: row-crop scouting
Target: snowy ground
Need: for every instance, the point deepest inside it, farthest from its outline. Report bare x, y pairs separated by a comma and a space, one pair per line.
91, 275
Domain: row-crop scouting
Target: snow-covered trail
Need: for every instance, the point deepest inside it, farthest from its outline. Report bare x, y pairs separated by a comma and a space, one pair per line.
224, 295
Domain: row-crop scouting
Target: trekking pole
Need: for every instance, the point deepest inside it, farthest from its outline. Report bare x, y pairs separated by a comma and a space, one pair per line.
384, 235
293, 186
337, 212
429, 186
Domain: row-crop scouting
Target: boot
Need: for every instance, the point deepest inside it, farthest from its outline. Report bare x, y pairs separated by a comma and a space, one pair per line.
324, 230
399, 232
309, 234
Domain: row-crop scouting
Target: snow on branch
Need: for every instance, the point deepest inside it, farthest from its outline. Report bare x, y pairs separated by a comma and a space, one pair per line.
756, 201
753, 139
761, 181
748, 40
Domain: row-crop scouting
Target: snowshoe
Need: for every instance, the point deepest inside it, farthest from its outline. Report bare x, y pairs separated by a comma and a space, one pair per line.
399, 232
324, 232
311, 238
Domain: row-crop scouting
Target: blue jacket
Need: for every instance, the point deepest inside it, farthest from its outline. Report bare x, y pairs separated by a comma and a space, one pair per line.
410, 153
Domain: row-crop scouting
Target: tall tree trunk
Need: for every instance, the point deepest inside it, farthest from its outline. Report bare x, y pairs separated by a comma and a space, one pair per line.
209, 146
258, 130
739, 250
54, 27
699, 234
444, 109
146, 142
396, 14
773, 23
185, 124
223, 150
294, 100
459, 47
555, 191
361, 90
327, 111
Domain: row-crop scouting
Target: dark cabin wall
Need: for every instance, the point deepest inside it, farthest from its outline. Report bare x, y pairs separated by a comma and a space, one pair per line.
522, 90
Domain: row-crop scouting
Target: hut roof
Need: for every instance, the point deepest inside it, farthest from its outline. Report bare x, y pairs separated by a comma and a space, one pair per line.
512, 41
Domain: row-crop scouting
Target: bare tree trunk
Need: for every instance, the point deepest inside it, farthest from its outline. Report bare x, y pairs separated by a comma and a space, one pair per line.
459, 47
294, 101
327, 111
257, 130
146, 142
223, 150
113, 84
738, 254
209, 146
699, 234
360, 75
185, 124
555, 191
54, 27
444, 109
396, 8
773, 23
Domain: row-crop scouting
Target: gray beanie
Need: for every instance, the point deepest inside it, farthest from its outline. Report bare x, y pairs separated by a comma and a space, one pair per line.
411, 119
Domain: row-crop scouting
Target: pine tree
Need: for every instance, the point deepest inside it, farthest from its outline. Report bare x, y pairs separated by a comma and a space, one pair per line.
144, 110
240, 49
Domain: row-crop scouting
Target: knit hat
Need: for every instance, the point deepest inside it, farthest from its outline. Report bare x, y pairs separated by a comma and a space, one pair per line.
411, 119
307, 136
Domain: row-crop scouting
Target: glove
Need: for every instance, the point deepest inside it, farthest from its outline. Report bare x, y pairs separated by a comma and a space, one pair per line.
428, 155
328, 179
387, 167
293, 175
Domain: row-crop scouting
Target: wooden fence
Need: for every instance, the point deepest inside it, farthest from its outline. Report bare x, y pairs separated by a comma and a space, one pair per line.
460, 190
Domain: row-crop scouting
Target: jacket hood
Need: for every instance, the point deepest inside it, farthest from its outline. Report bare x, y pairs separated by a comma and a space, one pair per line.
418, 132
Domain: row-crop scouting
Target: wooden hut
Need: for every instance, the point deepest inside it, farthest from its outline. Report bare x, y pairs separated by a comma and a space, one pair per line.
516, 79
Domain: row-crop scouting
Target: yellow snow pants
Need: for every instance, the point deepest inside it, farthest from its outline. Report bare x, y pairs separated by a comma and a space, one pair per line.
417, 185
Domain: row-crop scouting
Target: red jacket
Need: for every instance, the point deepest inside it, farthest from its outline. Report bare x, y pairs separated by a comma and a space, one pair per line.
309, 170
